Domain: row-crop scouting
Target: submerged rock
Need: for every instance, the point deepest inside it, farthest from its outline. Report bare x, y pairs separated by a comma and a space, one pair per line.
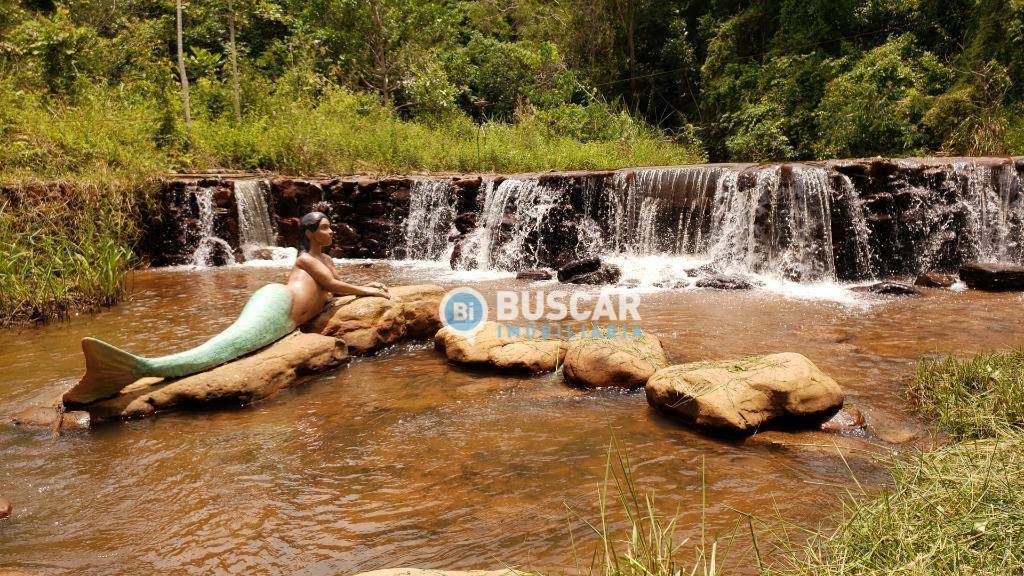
369, 324
5, 508
739, 396
934, 280
889, 289
284, 364
624, 361
848, 419
493, 346
725, 282
534, 274
993, 277
46, 416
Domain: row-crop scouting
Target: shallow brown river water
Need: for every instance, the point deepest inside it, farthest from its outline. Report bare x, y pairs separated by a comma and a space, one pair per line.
404, 460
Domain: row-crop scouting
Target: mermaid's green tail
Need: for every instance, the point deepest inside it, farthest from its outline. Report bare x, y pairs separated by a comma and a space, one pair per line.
265, 319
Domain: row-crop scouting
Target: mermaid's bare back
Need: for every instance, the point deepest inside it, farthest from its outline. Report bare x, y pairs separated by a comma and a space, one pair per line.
265, 319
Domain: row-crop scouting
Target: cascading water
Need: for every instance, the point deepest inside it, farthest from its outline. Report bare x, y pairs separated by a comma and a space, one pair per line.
431, 219
814, 222
255, 228
509, 226
210, 245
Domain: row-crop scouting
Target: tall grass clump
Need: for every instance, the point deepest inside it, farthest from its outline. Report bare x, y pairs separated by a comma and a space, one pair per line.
957, 509
650, 545
974, 398
65, 246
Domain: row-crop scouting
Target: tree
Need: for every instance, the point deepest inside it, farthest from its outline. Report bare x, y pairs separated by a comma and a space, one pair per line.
234, 61
182, 75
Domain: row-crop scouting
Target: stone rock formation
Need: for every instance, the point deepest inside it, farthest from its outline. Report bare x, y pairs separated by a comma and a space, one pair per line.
889, 289
534, 274
725, 282
284, 364
934, 280
993, 277
623, 361
5, 508
46, 416
589, 271
740, 396
369, 324
492, 346
848, 419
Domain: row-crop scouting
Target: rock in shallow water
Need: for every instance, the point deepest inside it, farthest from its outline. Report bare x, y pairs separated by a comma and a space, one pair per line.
5, 508
726, 282
849, 419
281, 365
493, 346
889, 289
738, 397
934, 280
624, 361
993, 277
534, 274
369, 324
589, 271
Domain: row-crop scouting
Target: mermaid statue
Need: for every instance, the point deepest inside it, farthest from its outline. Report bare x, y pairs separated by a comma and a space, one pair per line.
271, 313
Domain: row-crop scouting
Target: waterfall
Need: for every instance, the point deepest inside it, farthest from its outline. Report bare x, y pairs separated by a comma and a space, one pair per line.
508, 232
209, 243
811, 222
431, 219
255, 228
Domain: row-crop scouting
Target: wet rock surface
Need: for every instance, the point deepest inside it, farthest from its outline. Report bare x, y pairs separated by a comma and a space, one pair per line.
535, 274
284, 364
738, 397
993, 277
848, 420
889, 289
5, 509
46, 416
369, 324
494, 347
934, 280
620, 361
725, 282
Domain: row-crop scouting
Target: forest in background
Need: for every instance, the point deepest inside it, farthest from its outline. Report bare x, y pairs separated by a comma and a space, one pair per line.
391, 85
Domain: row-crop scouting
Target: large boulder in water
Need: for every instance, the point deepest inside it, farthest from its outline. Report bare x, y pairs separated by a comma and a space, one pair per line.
624, 361
993, 277
739, 396
368, 324
284, 364
493, 346
589, 271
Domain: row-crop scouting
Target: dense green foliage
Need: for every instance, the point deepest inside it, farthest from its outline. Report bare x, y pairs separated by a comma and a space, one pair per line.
584, 79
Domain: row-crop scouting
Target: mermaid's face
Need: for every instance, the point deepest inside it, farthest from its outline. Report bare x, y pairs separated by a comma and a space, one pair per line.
323, 235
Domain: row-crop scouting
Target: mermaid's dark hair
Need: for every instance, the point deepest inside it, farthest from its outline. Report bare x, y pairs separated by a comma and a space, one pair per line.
309, 222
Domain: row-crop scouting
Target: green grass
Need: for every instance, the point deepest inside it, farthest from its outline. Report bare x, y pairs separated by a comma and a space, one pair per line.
957, 509
65, 247
974, 398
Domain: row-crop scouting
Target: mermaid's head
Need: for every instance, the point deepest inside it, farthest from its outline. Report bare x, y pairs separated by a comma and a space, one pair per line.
311, 223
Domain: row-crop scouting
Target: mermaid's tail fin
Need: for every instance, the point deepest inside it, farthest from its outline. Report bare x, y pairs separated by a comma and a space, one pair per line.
107, 371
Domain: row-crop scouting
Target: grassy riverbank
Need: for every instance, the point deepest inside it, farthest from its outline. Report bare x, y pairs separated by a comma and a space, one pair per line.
956, 509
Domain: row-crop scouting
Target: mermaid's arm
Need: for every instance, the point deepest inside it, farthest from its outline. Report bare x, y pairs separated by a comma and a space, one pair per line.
325, 278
